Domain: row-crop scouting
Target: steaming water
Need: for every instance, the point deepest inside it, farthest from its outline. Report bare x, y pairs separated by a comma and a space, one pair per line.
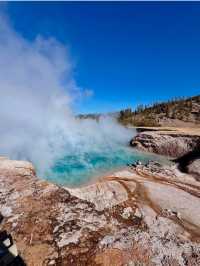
37, 93
71, 170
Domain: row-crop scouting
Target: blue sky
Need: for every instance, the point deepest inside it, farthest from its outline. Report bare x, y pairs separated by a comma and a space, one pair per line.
126, 53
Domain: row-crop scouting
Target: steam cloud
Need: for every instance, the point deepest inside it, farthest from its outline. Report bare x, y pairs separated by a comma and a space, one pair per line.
37, 89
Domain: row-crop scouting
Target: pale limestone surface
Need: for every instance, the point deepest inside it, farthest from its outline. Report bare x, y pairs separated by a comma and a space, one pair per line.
103, 195
148, 215
169, 197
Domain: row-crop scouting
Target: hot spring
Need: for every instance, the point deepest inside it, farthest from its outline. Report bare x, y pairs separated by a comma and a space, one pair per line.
73, 170
39, 99
91, 150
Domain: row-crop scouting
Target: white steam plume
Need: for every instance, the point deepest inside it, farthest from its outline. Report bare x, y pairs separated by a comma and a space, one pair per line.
36, 91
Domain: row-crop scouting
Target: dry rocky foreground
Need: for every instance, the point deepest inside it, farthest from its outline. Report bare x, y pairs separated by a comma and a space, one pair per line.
141, 215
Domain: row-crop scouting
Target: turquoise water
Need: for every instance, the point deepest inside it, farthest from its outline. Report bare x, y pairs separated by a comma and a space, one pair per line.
76, 170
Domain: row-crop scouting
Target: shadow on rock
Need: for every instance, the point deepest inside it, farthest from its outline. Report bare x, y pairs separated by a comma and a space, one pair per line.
185, 162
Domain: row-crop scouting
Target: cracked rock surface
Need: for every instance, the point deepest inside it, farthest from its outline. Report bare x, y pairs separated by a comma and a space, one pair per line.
146, 215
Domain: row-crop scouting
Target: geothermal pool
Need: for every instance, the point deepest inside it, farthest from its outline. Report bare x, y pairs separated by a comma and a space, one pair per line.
73, 170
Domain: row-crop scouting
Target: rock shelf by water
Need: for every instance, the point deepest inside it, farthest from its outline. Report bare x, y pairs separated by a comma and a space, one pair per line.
175, 142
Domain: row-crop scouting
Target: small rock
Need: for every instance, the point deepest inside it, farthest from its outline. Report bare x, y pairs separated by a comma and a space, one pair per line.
6, 211
127, 212
138, 214
178, 215
52, 262
170, 213
193, 168
14, 225
167, 212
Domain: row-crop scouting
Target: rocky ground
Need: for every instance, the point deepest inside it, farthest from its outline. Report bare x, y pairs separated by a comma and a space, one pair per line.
174, 142
143, 215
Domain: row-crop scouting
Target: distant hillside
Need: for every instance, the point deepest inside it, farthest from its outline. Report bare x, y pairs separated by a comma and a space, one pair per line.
89, 116
96, 116
177, 112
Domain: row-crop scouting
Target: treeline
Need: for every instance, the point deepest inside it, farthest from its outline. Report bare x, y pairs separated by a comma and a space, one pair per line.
89, 116
185, 109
